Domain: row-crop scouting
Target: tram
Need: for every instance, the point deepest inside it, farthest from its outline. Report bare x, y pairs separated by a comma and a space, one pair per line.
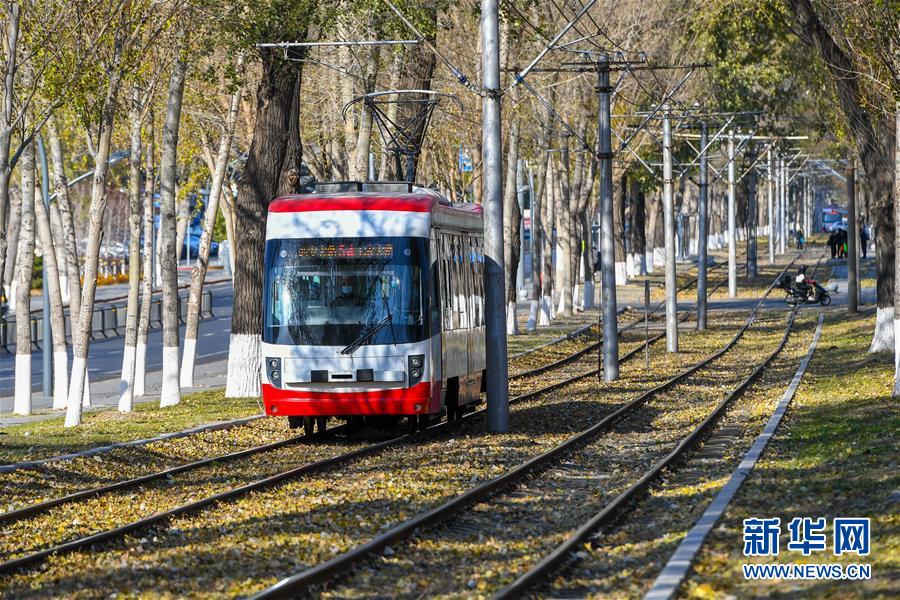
373, 307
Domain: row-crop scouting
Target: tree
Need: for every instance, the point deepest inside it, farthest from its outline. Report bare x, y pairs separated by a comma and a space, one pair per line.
24, 266
126, 381
512, 217
875, 144
198, 274
272, 169
57, 314
140, 367
171, 392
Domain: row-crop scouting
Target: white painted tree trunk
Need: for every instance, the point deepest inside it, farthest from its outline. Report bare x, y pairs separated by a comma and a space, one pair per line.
81, 331
512, 324
198, 274
244, 365
24, 265
126, 381
546, 311
57, 312
170, 394
883, 340
532, 316
61, 188
140, 365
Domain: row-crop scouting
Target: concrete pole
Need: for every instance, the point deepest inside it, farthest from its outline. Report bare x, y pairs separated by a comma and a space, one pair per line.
610, 347
669, 211
47, 350
770, 215
703, 230
752, 216
852, 233
492, 159
732, 240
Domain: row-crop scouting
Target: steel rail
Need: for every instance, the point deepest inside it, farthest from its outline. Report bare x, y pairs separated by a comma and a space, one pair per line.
32, 509
612, 510
306, 469
551, 562
295, 584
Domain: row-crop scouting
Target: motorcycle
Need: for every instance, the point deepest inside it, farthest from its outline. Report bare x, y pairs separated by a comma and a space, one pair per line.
810, 293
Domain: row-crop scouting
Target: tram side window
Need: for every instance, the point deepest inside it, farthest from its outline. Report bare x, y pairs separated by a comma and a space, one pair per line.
446, 276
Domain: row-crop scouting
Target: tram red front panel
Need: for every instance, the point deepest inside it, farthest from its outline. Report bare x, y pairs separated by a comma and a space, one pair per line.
418, 399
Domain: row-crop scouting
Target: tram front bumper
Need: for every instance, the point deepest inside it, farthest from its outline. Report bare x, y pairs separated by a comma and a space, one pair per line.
421, 398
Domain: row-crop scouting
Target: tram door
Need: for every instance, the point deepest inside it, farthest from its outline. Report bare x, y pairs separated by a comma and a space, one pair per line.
469, 266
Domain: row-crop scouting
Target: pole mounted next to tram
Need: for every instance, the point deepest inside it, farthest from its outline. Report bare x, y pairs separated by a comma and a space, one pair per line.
494, 297
703, 233
732, 238
610, 346
752, 214
669, 214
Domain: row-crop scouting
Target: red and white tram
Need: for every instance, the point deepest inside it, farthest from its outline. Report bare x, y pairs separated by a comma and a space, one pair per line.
373, 305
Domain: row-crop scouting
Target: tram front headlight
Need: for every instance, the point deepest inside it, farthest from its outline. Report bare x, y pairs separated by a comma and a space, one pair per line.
416, 368
273, 371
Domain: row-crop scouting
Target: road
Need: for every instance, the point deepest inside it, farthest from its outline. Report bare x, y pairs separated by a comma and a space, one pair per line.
105, 355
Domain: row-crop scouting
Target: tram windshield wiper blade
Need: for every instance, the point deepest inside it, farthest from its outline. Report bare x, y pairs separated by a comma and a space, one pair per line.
365, 335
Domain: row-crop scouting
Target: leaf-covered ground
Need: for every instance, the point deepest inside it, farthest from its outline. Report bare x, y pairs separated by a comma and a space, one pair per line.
242, 545
835, 455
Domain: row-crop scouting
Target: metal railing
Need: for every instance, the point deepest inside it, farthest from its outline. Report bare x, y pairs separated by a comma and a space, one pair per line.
107, 321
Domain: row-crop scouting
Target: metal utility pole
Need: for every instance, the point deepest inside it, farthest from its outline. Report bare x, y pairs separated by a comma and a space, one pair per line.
492, 158
770, 213
732, 239
47, 351
669, 212
751, 215
782, 200
610, 346
852, 232
703, 232
520, 198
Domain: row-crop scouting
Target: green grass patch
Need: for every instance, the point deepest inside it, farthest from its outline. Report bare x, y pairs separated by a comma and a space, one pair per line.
42, 439
834, 455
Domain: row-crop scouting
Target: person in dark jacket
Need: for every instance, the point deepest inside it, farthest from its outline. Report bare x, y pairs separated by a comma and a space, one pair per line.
842, 243
863, 239
832, 244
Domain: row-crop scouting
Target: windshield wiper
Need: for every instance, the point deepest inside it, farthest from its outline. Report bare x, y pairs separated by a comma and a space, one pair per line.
365, 335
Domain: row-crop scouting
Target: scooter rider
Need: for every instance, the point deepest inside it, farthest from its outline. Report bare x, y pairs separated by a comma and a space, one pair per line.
802, 285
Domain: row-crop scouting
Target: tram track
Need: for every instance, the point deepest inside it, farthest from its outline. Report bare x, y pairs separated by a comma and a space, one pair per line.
141, 480
342, 563
319, 466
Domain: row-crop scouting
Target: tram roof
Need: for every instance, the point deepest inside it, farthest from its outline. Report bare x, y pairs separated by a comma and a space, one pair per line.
417, 201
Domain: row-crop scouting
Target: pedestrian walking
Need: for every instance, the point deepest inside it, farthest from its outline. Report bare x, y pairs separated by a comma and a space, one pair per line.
842, 243
864, 239
800, 239
832, 245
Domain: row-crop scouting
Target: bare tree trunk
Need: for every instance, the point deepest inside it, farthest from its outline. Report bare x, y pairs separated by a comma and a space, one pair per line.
182, 221
896, 392
547, 244
537, 224
587, 209
24, 266
6, 125
364, 139
620, 189
81, 333
13, 227
126, 381
170, 393
61, 188
198, 274
564, 231
57, 312
140, 366
638, 217
273, 168
512, 217
228, 212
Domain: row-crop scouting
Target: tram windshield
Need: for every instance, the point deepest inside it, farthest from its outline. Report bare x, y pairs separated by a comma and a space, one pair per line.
330, 291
